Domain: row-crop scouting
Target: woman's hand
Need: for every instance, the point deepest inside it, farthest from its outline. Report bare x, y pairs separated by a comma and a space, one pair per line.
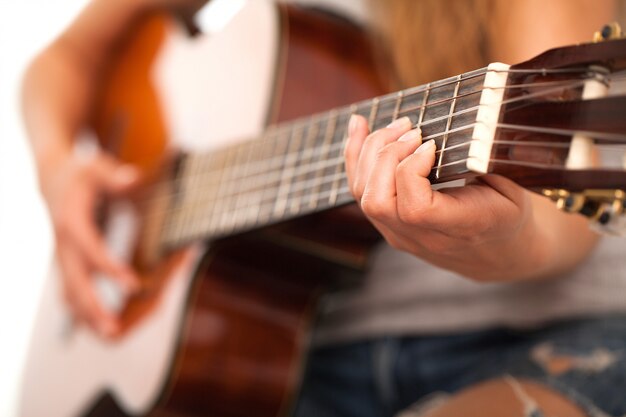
73, 192
486, 230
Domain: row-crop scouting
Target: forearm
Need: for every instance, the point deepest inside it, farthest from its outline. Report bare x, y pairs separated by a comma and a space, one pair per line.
61, 82
565, 239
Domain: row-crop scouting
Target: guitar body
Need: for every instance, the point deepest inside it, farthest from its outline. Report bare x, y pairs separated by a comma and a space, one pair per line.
223, 330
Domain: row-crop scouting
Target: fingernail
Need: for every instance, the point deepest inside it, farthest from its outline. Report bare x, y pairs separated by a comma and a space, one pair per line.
126, 174
403, 122
412, 134
352, 124
425, 147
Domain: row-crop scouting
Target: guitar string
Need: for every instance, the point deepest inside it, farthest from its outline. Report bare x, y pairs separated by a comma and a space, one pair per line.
299, 173
525, 97
238, 223
266, 205
275, 163
304, 184
270, 137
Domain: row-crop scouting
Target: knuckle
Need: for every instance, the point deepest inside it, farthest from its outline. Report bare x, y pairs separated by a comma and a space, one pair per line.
386, 152
378, 138
375, 208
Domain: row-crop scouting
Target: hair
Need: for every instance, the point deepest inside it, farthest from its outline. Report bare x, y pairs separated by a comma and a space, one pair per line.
455, 35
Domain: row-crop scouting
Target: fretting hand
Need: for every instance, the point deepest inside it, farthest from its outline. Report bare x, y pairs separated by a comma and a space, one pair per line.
490, 229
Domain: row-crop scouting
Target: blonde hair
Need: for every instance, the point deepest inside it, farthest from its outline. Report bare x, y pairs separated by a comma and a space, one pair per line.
455, 35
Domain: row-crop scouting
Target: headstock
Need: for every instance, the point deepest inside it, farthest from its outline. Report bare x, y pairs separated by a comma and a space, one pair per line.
562, 128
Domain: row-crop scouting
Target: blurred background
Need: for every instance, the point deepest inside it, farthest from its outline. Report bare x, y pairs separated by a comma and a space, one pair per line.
25, 234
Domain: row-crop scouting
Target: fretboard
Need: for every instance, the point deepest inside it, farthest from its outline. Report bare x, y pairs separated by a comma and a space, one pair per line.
297, 168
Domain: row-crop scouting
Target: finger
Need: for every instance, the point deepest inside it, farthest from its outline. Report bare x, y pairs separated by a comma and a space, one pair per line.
372, 145
357, 132
458, 211
379, 196
113, 176
87, 238
81, 294
414, 192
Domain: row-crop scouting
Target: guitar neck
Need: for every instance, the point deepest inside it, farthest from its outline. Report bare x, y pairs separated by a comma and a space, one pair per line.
297, 168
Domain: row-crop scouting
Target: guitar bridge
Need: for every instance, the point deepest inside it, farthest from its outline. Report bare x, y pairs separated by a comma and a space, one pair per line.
605, 208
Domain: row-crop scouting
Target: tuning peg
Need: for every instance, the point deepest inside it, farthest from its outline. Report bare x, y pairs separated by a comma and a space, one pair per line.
609, 31
606, 209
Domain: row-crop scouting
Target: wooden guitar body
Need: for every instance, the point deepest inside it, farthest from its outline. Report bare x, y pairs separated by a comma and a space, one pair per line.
221, 331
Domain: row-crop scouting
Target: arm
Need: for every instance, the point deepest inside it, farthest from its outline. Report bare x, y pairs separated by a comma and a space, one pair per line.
490, 229
58, 93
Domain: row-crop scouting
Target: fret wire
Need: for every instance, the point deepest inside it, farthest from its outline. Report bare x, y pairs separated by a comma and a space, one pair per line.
183, 217
286, 175
214, 223
396, 110
243, 199
423, 107
268, 148
245, 153
194, 183
448, 123
272, 191
373, 112
326, 146
306, 156
211, 185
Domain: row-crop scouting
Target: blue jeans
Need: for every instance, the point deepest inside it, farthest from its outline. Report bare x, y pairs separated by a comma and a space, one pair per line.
583, 359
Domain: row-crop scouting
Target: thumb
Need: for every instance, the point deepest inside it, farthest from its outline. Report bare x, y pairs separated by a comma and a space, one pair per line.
114, 176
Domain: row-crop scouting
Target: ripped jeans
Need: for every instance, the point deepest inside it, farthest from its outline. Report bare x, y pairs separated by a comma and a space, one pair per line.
585, 360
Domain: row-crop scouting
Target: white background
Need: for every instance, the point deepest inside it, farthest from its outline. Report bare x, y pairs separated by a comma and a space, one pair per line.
25, 235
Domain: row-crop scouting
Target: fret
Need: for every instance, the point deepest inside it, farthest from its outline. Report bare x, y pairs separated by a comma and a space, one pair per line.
330, 152
216, 214
261, 189
396, 110
385, 109
248, 200
461, 125
238, 181
339, 138
286, 177
448, 122
322, 155
194, 185
423, 106
302, 172
213, 166
276, 146
372, 117
181, 219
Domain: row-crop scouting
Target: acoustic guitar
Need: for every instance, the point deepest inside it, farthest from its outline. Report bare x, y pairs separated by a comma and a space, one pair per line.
235, 239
